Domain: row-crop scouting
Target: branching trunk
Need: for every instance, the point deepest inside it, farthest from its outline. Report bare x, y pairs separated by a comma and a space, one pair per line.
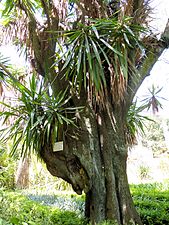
94, 161
94, 156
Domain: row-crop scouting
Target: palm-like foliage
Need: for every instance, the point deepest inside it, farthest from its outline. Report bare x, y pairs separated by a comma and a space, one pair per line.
4, 64
96, 56
152, 100
135, 122
15, 14
36, 117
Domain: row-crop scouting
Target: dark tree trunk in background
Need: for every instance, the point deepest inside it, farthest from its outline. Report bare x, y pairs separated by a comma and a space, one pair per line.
22, 174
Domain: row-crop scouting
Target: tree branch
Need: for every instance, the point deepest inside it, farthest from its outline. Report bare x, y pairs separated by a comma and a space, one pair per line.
154, 51
165, 35
7, 72
46, 10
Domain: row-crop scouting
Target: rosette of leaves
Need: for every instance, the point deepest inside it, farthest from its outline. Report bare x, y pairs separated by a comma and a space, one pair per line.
36, 116
96, 56
153, 100
135, 122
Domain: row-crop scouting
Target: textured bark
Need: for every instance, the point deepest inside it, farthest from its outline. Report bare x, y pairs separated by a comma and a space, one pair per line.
119, 201
94, 156
94, 161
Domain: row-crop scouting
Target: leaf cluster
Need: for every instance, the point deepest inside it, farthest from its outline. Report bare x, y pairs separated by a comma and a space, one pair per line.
37, 116
135, 122
153, 100
154, 137
4, 63
7, 169
97, 55
10, 6
152, 203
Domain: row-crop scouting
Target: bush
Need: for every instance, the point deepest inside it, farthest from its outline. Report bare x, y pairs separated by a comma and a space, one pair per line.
65, 218
7, 169
153, 137
144, 172
17, 209
152, 203
4, 222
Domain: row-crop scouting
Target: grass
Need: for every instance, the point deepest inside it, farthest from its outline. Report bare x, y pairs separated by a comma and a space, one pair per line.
27, 208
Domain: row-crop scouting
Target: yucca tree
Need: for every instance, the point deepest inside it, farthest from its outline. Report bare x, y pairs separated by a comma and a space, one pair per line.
153, 100
100, 53
30, 116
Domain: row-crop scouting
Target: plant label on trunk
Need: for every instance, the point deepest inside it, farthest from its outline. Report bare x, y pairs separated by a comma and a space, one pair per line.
58, 146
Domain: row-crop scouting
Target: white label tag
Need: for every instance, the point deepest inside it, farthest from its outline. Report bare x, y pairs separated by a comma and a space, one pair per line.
58, 146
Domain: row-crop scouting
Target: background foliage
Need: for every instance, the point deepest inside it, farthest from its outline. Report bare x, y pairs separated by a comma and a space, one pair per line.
153, 137
7, 168
151, 200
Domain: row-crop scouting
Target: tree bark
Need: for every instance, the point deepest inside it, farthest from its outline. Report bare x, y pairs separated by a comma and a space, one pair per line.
94, 161
94, 156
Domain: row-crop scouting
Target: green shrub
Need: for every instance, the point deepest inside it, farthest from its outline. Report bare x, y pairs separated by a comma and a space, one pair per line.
4, 222
154, 216
65, 218
17, 209
152, 203
144, 172
153, 137
7, 169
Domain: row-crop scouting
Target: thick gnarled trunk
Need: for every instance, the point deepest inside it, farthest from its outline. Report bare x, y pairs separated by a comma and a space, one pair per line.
94, 156
94, 161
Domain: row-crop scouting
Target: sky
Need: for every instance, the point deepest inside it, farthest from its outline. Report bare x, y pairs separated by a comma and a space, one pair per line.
160, 13
159, 75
